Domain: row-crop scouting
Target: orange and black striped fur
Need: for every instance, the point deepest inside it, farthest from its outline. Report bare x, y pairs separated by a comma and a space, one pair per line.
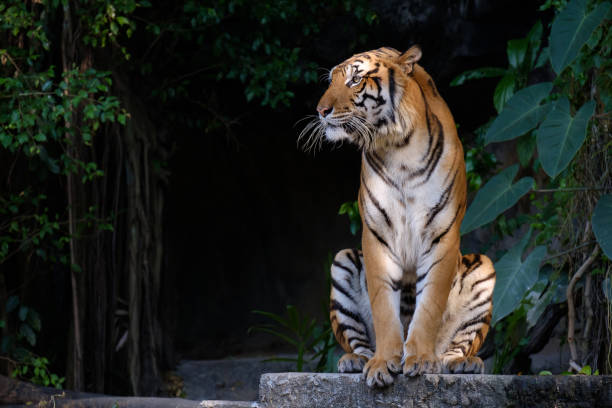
410, 302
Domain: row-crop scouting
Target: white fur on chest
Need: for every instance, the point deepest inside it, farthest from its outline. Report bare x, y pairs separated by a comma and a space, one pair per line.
407, 209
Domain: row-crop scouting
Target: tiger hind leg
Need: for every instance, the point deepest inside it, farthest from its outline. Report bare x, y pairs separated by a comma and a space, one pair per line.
468, 315
350, 311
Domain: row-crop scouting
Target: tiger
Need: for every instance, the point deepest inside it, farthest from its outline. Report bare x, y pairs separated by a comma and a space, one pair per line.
408, 302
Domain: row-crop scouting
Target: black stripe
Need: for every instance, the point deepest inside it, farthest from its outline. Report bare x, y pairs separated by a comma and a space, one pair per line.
344, 327
486, 278
377, 236
339, 265
482, 318
334, 305
427, 119
484, 302
360, 344
340, 289
444, 199
355, 259
437, 152
432, 160
392, 87
422, 276
380, 122
357, 340
376, 202
433, 87
370, 160
395, 285
436, 240
473, 266
406, 140
373, 71
422, 289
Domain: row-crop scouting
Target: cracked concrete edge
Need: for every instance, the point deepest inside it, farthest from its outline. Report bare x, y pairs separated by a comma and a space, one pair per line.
301, 390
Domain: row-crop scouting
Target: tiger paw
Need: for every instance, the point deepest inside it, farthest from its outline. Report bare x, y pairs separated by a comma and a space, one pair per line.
351, 363
422, 364
379, 372
465, 365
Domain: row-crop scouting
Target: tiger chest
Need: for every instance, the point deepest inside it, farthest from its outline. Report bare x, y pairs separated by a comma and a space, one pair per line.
398, 215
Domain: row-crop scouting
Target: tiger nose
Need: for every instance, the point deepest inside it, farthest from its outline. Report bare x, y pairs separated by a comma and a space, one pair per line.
324, 110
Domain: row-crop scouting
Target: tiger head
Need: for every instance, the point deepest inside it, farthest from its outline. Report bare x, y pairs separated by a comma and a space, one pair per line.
368, 99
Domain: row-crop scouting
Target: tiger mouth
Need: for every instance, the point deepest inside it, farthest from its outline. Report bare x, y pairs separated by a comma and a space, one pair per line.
344, 126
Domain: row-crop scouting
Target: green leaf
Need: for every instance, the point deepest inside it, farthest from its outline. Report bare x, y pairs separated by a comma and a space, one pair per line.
517, 50
485, 72
602, 223
560, 136
34, 320
525, 147
494, 198
535, 40
26, 331
12, 303
514, 278
23, 313
544, 372
504, 90
521, 113
571, 29
586, 370
277, 334
279, 319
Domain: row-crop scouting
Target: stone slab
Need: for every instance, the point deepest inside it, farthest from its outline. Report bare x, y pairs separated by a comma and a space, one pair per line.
301, 390
228, 379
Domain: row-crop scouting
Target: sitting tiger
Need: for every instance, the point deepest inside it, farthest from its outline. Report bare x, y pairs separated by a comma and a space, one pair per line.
410, 302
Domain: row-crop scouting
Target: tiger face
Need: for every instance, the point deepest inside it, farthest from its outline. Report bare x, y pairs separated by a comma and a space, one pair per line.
364, 100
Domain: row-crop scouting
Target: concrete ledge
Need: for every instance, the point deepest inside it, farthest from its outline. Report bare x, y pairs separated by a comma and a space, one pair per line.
297, 390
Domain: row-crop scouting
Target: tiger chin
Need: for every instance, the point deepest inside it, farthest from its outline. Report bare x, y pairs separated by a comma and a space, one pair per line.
409, 302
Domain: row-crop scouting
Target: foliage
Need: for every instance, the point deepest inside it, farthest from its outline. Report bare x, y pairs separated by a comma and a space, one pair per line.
555, 120
515, 278
250, 46
602, 219
311, 340
16, 345
478, 163
351, 209
496, 196
47, 116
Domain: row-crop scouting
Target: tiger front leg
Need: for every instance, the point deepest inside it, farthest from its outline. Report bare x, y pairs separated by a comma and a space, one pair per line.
383, 281
434, 279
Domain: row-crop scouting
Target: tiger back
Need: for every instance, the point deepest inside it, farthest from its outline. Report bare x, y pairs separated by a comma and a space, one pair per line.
409, 301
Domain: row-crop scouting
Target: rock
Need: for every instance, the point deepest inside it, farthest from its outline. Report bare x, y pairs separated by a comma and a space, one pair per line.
230, 379
301, 390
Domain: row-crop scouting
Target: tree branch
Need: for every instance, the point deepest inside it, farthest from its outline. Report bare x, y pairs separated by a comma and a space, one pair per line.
571, 309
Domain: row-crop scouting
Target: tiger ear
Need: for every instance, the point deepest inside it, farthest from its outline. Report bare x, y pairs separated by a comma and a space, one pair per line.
409, 58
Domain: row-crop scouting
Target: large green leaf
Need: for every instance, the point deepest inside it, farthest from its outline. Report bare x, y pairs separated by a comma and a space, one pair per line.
504, 90
515, 277
484, 72
571, 29
560, 136
602, 223
494, 198
521, 113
